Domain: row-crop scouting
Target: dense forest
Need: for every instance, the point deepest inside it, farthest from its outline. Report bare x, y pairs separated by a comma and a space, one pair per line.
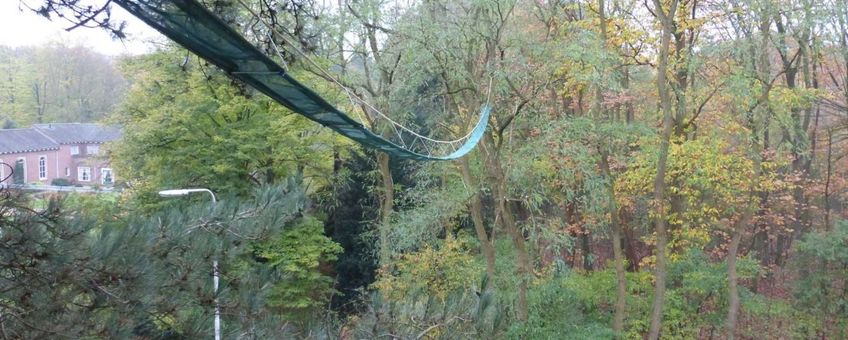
57, 83
660, 169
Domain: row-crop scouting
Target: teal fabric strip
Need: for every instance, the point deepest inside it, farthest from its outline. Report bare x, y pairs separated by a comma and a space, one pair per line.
197, 29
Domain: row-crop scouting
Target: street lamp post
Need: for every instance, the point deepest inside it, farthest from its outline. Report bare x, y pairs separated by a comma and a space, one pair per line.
215, 272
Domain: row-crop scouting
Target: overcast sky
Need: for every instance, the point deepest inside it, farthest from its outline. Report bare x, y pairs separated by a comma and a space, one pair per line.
21, 27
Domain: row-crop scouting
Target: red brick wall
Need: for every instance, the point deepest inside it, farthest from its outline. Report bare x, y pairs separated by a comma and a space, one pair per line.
57, 163
83, 159
31, 165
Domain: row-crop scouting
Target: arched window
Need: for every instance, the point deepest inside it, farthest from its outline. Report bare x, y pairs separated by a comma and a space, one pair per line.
42, 167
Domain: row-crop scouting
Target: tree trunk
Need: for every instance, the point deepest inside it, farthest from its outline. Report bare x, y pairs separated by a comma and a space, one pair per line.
733, 294
827, 180
630, 240
800, 217
586, 250
629, 109
733, 250
386, 205
486, 244
522, 261
618, 256
40, 93
659, 182
754, 198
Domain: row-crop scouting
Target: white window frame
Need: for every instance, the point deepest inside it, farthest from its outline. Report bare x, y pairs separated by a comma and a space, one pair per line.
42, 167
92, 149
75, 150
103, 175
82, 170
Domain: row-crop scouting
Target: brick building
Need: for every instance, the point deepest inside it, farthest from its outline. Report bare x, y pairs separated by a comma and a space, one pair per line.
46, 152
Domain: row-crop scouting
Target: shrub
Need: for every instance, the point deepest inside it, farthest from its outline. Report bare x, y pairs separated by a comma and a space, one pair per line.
822, 286
61, 182
435, 271
297, 255
557, 311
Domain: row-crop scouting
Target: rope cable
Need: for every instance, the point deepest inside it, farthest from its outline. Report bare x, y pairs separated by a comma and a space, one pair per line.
283, 60
352, 95
192, 25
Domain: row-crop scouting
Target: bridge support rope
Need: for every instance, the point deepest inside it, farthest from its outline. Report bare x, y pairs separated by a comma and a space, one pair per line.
197, 29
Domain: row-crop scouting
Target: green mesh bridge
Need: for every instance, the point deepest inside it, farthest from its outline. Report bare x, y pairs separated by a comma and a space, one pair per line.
194, 27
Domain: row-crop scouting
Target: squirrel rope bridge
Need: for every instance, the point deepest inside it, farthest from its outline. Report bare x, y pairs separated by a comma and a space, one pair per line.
193, 26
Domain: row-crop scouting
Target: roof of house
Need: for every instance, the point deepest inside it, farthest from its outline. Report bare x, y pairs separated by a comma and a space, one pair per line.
51, 136
24, 140
72, 133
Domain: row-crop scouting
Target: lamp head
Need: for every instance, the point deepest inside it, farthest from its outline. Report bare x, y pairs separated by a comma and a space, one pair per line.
174, 193
184, 192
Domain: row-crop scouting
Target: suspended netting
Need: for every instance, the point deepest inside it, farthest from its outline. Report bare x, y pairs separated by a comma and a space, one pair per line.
197, 29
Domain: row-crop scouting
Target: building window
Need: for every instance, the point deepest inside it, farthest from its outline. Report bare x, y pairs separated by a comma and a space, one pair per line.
74, 150
20, 173
42, 167
92, 149
3, 167
106, 177
67, 172
84, 174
